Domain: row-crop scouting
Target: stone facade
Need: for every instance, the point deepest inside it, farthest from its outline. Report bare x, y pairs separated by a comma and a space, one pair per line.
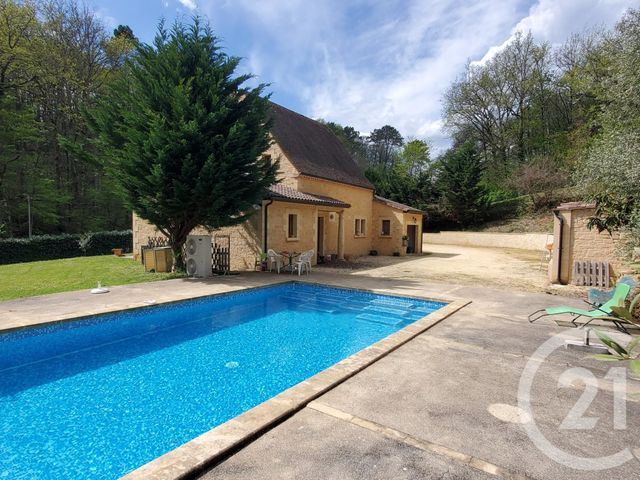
287, 173
392, 243
277, 227
579, 243
338, 235
361, 201
245, 239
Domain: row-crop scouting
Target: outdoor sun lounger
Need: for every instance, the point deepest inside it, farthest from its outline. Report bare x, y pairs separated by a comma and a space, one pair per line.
621, 324
622, 317
598, 297
619, 296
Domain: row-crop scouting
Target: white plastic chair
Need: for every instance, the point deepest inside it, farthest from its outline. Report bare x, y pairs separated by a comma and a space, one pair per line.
309, 258
275, 259
303, 262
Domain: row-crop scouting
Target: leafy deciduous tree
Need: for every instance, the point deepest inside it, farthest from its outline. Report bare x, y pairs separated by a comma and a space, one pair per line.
384, 143
53, 62
414, 157
610, 172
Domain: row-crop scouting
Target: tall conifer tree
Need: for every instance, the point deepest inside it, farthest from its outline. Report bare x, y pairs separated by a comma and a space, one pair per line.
183, 137
460, 183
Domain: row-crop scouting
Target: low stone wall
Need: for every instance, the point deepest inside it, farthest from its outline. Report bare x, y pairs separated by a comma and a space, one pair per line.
524, 241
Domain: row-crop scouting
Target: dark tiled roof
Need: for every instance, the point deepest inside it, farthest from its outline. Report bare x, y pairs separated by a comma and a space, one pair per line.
313, 149
397, 205
288, 194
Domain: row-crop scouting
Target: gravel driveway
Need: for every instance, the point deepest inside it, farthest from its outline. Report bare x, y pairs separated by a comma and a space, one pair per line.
523, 270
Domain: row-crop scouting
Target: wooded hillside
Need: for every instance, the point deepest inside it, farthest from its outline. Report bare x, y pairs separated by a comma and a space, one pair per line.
532, 126
55, 58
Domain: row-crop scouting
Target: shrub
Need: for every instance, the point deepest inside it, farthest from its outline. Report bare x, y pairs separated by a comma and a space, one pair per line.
51, 247
540, 179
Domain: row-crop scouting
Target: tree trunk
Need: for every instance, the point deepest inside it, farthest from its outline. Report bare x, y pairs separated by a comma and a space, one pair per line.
177, 238
176, 241
178, 259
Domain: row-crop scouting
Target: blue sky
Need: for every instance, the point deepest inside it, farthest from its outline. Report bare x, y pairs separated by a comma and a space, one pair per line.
367, 63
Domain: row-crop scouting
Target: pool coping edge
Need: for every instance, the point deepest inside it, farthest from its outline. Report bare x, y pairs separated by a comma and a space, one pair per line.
73, 317
215, 445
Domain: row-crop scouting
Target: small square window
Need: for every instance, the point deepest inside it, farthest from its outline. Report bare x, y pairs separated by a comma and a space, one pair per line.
386, 228
292, 226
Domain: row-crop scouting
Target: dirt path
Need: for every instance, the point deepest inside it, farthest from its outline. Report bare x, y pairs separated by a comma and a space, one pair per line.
489, 267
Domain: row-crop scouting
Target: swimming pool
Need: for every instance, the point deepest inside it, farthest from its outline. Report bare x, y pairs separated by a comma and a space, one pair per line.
99, 397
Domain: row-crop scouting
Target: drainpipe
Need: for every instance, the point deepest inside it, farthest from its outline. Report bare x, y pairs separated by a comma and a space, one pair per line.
266, 225
559, 269
341, 235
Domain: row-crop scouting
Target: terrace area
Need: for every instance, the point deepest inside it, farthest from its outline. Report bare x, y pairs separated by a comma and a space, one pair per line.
443, 405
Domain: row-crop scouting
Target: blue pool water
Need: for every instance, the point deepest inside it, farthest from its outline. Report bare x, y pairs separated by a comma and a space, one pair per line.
99, 397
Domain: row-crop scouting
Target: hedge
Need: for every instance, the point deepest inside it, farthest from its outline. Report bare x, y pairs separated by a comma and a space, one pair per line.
51, 247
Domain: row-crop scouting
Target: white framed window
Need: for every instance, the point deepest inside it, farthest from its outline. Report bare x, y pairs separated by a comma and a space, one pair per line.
385, 227
360, 227
292, 226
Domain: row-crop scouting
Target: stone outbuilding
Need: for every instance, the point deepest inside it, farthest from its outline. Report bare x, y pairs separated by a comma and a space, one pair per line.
400, 227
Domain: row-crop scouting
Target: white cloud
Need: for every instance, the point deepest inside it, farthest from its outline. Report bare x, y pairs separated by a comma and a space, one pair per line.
425, 52
367, 64
553, 21
190, 4
108, 20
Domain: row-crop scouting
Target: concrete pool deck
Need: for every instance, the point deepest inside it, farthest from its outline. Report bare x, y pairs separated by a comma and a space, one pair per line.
440, 406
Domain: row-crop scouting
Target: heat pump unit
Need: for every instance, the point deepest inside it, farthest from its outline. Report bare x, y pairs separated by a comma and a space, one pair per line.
198, 259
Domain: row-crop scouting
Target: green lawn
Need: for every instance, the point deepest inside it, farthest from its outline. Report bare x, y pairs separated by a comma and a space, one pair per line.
52, 276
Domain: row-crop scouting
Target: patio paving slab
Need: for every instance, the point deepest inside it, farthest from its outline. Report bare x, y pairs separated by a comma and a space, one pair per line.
443, 392
298, 447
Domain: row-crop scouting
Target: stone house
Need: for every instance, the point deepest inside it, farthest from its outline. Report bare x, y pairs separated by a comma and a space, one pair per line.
322, 202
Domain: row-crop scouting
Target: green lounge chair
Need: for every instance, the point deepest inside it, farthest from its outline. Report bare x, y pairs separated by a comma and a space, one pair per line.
618, 298
623, 317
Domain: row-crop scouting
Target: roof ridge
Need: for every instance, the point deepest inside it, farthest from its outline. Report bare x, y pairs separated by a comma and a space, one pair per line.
317, 122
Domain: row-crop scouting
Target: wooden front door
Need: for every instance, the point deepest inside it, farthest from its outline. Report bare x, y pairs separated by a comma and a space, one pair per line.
412, 230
